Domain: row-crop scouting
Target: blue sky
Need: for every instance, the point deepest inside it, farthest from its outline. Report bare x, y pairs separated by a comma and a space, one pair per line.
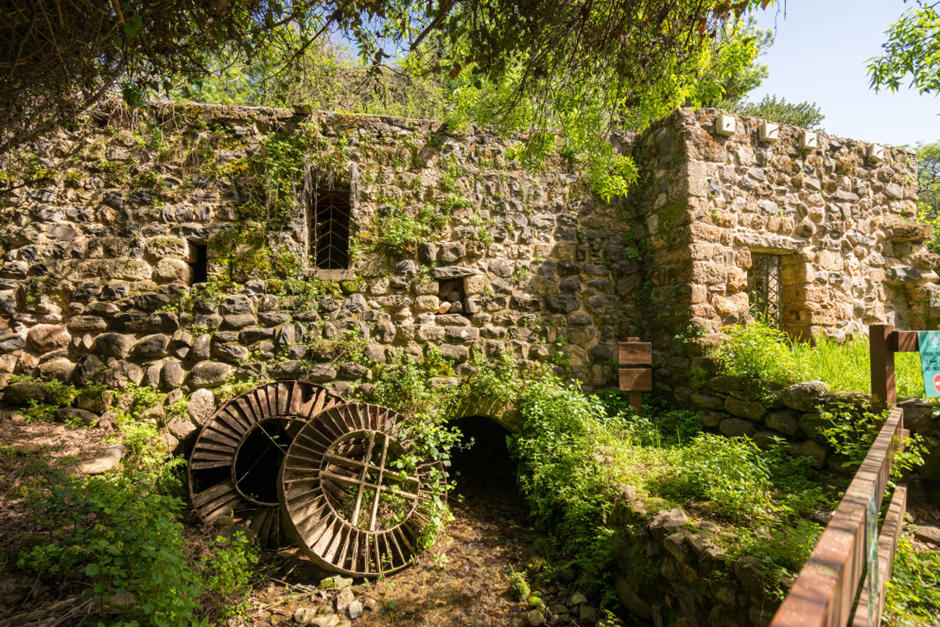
820, 56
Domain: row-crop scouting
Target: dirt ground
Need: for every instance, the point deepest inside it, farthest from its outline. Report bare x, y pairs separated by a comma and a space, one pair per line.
463, 581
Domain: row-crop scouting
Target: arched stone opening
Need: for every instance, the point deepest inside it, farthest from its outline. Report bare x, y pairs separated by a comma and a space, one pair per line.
486, 465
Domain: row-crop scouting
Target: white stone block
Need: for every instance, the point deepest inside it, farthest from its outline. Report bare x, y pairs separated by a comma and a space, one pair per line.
809, 140
726, 124
768, 132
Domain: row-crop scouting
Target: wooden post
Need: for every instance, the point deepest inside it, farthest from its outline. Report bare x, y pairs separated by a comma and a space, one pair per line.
635, 380
882, 367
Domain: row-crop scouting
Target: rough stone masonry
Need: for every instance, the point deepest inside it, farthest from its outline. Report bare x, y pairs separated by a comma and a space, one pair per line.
116, 267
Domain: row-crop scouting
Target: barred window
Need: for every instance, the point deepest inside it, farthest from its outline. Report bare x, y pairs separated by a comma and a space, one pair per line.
765, 287
329, 230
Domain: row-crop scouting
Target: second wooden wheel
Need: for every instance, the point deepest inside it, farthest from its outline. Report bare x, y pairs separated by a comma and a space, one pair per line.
350, 493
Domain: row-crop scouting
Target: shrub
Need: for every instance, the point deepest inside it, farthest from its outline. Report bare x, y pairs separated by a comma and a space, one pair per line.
731, 473
226, 572
122, 535
914, 589
759, 351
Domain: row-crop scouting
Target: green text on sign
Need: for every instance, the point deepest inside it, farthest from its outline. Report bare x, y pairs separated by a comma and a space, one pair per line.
929, 342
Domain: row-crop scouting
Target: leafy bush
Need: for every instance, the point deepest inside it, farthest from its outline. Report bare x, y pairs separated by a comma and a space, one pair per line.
226, 572
122, 535
759, 351
914, 589
731, 473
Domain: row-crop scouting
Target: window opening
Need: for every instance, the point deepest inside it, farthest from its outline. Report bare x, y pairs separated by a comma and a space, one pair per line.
329, 231
764, 287
201, 265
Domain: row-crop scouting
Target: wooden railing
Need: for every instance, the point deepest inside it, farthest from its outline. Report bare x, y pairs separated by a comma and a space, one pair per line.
824, 594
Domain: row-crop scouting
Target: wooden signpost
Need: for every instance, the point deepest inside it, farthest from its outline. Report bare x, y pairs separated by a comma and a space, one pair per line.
636, 380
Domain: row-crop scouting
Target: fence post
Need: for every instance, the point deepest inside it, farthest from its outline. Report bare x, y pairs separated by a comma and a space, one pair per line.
882, 367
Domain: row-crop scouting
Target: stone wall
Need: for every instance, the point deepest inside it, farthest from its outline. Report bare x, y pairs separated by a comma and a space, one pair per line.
672, 569
99, 261
101, 252
765, 413
841, 224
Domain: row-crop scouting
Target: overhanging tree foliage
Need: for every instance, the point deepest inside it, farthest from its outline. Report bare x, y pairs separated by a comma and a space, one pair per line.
913, 48
61, 57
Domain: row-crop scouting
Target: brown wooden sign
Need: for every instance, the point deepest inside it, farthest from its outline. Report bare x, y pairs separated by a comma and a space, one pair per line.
635, 353
635, 380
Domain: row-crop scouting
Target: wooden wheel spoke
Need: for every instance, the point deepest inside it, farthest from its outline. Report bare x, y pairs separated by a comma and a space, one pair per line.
220, 446
350, 509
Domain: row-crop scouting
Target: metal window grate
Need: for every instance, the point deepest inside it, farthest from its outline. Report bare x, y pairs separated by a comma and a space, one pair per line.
764, 287
329, 231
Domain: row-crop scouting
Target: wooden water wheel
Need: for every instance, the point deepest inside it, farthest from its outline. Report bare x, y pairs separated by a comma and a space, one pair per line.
348, 495
238, 454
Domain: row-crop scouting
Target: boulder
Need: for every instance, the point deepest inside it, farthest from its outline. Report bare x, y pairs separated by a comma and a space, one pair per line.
750, 572
237, 304
813, 426
738, 426
71, 414
320, 374
44, 338
22, 393
152, 347
630, 600
181, 428
711, 418
59, 369
927, 534
752, 410
11, 342
766, 438
173, 271
291, 369
209, 374
115, 345
117, 376
238, 321
726, 383
785, 421
87, 369
809, 448
805, 397
201, 406
172, 375
706, 401
667, 523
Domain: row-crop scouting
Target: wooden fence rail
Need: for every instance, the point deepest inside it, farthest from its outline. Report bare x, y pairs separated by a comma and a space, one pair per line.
825, 591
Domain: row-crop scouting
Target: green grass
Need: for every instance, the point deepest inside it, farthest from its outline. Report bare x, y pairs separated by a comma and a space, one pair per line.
762, 352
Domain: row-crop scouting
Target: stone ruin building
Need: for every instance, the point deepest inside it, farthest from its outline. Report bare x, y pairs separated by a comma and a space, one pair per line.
140, 259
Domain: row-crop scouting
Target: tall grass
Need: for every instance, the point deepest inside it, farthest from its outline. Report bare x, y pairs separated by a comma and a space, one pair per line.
760, 351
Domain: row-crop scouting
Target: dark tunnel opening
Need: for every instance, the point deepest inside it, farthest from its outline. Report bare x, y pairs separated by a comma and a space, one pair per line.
486, 465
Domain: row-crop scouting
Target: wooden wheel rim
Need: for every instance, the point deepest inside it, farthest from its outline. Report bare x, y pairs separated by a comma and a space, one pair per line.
213, 486
310, 479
